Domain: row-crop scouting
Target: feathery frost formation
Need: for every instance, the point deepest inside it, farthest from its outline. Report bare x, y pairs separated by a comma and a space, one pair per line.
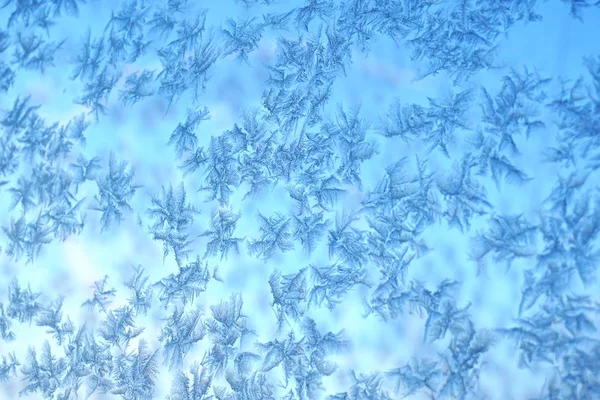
332, 199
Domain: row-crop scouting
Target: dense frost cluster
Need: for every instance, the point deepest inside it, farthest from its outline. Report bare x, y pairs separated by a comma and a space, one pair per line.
246, 199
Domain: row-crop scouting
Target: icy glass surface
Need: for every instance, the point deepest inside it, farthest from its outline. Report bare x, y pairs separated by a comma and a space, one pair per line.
315, 199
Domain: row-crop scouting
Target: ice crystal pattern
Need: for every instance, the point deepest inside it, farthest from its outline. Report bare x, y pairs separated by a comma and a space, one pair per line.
319, 199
